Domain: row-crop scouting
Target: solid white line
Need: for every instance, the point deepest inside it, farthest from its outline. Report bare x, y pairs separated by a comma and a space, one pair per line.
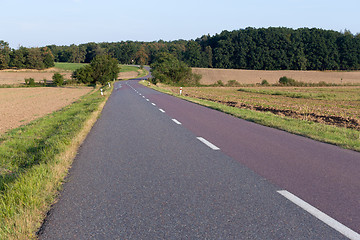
207, 143
320, 215
176, 121
161, 110
153, 104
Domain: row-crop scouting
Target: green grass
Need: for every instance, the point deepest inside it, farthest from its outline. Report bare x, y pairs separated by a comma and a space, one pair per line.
69, 66
343, 137
31, 169
127, 68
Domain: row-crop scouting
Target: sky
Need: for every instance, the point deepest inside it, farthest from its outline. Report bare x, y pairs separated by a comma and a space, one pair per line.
38, 23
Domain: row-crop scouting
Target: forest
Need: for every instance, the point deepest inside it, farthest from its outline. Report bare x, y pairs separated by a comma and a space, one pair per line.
29, 58
274, 48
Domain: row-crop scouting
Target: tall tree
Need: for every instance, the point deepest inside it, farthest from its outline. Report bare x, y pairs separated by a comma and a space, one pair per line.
4, 54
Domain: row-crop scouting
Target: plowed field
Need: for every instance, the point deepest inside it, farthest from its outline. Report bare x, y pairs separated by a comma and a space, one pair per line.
19, 106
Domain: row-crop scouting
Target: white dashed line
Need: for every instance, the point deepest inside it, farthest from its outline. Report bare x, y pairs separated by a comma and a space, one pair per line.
148, 100
161, 110
153, 104
176, 121
207, 143
320, 215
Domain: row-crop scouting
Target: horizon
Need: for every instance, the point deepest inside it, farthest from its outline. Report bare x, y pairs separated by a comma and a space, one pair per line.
40, 23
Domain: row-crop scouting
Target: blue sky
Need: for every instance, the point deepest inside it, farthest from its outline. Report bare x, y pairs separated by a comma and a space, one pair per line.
44, 22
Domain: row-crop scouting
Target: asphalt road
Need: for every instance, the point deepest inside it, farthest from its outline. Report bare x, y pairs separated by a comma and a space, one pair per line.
140, 174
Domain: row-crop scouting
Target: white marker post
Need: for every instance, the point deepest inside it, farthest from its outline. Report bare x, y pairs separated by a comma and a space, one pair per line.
109, 84
102, 94
180, 90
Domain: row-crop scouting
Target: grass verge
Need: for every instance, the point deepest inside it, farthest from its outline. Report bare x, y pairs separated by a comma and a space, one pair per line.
343, 137
34, 160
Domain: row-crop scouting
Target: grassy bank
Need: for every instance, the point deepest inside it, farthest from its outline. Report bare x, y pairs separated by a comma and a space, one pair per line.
344, 137
34, 160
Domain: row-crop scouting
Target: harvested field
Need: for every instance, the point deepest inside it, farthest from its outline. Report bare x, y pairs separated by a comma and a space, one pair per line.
18, 76
211, 76
339, 106
19, 106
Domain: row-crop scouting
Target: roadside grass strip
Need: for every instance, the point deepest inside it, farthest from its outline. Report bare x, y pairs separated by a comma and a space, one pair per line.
34, 160
343, 137
321, 216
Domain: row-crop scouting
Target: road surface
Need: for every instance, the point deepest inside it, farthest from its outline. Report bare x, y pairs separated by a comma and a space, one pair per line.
157, 167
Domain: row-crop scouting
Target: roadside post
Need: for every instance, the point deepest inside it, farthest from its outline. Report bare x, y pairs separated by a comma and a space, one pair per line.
101, 90
180, 90
109, 84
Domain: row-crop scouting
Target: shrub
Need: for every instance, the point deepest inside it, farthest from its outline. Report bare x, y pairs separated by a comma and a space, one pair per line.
169, 70
220, 83
84, 75
287, 81
265, 82
233, 83
58, 79
30, 81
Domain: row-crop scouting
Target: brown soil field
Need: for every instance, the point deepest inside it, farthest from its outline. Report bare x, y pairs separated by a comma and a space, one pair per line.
127, 75
19, 106
211, 76
9, 76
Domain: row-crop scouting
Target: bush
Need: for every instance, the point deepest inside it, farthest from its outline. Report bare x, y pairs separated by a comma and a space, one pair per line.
102, 69
30, 81
83, 75
58, 79
220, 83
265, 83
168, 69
233, 83
287, 81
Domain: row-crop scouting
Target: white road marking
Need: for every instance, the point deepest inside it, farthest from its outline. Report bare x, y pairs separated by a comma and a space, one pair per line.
143, 96
320, 215
207, 143
148, 100
161, 110
153, 104
176, 121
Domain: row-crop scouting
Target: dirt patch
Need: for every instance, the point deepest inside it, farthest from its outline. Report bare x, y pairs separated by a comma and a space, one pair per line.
19, 106
211, 76
127, 75
18, 76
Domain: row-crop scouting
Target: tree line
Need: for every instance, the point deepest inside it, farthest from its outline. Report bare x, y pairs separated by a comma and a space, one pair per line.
259, 49
29, 58
274, 48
